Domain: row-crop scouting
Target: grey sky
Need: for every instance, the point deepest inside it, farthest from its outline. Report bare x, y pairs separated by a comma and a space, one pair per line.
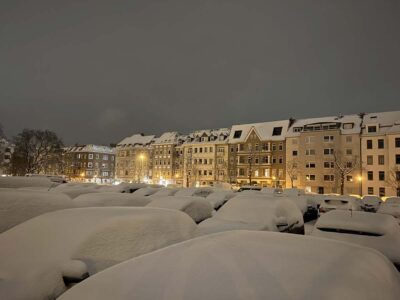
96, 71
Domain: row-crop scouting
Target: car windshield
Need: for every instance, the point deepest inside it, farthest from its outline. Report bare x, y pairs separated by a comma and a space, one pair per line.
348, 231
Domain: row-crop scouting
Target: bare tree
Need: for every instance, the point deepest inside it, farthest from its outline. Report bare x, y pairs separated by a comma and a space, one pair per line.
344, 165
34, 151
292, 170
393, 179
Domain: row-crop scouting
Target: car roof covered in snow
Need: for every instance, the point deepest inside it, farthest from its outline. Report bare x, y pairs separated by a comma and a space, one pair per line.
357, 221
248, 265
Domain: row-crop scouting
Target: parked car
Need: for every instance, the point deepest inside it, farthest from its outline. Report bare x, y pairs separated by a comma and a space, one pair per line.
197, 208
254, 212
110, 199
240, 265
220, 197
331, 202
44, 256
249, 188
147, 191
166, 191
370, 203
196, 192
391, 207
377, 231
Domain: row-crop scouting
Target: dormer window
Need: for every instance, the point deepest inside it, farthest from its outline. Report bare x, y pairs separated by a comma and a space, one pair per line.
277, 131
297, 129
237, 134
371, 129
348, 125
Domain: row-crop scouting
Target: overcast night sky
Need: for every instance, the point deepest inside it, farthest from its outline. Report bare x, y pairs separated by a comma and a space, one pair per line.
96, 71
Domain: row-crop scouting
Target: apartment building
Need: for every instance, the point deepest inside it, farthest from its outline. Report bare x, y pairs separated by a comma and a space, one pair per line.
380, 144
166, 159
134, 158
90, 163
206, 157
258, 153
320, 152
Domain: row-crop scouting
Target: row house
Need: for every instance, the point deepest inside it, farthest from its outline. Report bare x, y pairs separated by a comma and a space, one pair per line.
323, 154
90, 163
167, 159
134, 158
380, 144
257, 153
206, 157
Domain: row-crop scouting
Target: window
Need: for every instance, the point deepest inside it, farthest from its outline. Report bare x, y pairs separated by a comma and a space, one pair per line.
273, 147
280, 147
266, 173
369, 144
310, 139
381, 159
90, 155
349, 139
371, 129
397, 142
381, 144
277, 131
280, 160
273, 159
370, 160
265, 147
349, 151
349, 178
382, 192
310, 177
381, 175
397, 159
328, 138
310, 151
297, 129
329, 164
348, 125
370, 190
328, 151
370, 175
329, 177
310, 165
90, 164
294, 153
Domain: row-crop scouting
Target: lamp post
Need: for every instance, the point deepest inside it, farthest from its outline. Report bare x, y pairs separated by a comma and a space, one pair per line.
274, 181
141, 166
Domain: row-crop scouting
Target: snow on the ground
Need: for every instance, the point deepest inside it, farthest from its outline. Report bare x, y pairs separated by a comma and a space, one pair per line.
37, 254
197, 208
17, 206
248, 265
254, 211
378, 231
110, 199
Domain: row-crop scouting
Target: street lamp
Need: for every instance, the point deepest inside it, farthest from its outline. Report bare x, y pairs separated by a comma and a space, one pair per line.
141, 166
274, 182
359, 179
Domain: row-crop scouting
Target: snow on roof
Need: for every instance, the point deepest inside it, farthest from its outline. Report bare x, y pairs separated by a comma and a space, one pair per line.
357, 221
96, 237
248, 265
388, 122
298, 125
167, 138
137, 140
91, 148
267, 131
219, 135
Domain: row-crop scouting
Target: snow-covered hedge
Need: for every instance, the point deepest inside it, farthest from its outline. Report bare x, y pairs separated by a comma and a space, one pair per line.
241, 265
38, 255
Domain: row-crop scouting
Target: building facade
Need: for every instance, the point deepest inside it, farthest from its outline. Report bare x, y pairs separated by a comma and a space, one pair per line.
90, 163
134, 158
380, 144
258, 153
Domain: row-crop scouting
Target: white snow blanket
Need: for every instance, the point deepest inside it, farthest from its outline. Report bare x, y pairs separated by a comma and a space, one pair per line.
110, 199
73, 189
197, 208
377, 231
36, 255
219, 197
163, 192
242, 265
199, 192
22, 181
253, 211
17, 206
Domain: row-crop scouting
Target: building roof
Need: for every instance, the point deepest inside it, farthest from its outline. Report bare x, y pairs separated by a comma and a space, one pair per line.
211, 135
137, 140
168, 138
356, 120
387, 122
91, 148
267, 131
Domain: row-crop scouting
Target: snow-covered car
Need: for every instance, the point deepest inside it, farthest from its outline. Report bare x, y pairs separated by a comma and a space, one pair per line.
110, 199
249, 188
240, 265
74, 189
42, 257
24, 182
370, 203
147, 191
252, 212
166, 191
197, 208
390, 208
377, 231
197, 192
392, 200
220, 197
17, 206
331, 202
306, 205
